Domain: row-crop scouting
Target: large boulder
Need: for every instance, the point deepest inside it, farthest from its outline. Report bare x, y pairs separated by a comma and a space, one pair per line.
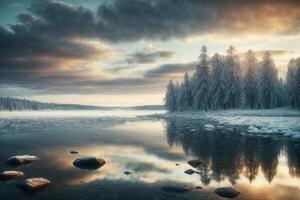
89, 162
33, 184
10, 175
22, 159
127, 172
73, 152
227, 192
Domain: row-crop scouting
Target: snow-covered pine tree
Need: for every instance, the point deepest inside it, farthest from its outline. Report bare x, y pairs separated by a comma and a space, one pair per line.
281, 93
201, 82
291, 82
267, 83
179, 90
297, 83
249, 91
170, 97
217, 83
186, 93
233, 79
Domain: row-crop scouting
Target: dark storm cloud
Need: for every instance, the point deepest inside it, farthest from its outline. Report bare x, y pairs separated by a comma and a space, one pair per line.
132, 20
151, 80
50, 35
169, 69
143, 57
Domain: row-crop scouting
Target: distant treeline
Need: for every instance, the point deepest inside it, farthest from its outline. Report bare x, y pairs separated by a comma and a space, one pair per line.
224, 82
12, 104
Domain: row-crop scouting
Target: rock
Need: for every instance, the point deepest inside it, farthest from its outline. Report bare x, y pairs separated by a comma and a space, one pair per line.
23, 159
189, 171
196, 163
74, 152
10, 175
33, 184
198, 187
89, 162
178, 188
227, 192
177, 164
127, 172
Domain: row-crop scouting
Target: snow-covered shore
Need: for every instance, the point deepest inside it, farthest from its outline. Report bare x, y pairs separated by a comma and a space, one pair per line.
284, 121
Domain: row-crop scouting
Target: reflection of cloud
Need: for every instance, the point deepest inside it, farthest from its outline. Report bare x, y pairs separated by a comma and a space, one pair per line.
148, 168
143, 167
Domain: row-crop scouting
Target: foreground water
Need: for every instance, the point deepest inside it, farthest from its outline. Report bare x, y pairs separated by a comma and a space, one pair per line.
155, 151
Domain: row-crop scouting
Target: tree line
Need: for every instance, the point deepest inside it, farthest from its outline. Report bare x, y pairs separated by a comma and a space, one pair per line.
226, 82
14, 104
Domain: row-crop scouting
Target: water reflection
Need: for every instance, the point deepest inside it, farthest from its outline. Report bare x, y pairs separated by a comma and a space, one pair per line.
231, 154
261, 168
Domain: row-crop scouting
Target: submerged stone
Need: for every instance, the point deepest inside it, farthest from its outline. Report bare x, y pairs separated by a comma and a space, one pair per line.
33, 184
227, 192
22, 159
10, 175
196, 163
190, 171
89, 162
127, 172
178, 188
74, 152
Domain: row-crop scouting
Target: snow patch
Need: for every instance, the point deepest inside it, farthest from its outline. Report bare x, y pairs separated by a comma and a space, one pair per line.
252, 129
283, 121
209, 127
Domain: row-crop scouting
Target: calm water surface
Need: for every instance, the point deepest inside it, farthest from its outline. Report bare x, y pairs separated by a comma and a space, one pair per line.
260, 168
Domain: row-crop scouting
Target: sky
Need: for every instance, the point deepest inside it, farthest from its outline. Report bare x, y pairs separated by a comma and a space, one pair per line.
123, 52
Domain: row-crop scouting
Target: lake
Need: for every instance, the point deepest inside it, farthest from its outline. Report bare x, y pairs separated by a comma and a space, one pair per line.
156, 151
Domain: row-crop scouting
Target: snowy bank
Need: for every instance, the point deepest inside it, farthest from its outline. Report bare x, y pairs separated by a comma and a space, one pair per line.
284, 121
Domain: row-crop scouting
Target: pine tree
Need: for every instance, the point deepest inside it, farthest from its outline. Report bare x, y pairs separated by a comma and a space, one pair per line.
267, 83
201, 82
291, 82
297, 86
170, 98
233, 79
249, 94
217, 83
186, 93
179, 90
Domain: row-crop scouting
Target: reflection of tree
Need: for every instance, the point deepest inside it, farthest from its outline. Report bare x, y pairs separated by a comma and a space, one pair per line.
269, 152
171, 132
251, 161
226, 156
229, 154
293, 150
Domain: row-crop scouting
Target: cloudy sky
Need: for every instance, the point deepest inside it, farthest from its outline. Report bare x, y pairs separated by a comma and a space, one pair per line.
123, 52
